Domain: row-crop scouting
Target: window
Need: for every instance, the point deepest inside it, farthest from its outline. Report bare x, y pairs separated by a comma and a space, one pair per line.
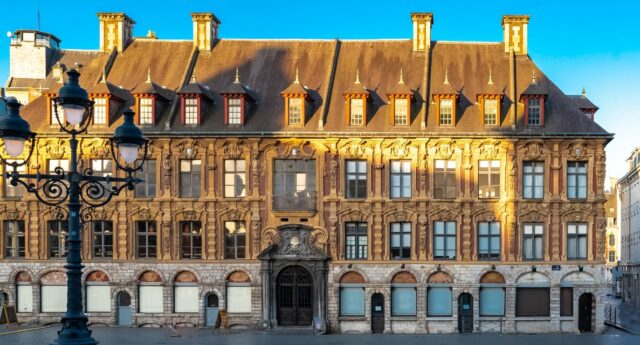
151, 298
576, 241
58, 163
146, 111
102, 167
446, 112
400, 240
400, 111
532, 301
53, 294
533, 242
186, 293
14, 239
351, 300
444, 179
9, 190
235, 240
401, 179
491, 301
488, 240
403, 300
190, 178
533, 112
294, 184
190, 111
490, 112
102, 232
612, 256
566, 301
356, 241
439, 301
356, 186
147, 239
489, 179
100, 111
357, 112
295, 111
147, 188
234, 178
24, 298
98, 292
191, 240
235, 111
444, 240
533, 180
577, 180
53, 109
238, 298
57, 232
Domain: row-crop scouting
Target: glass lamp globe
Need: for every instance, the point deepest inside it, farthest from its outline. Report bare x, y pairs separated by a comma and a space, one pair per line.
129, 152
14, 146
73, 113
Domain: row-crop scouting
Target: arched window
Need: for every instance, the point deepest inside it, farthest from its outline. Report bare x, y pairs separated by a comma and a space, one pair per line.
403, 294
352, 294
238, 292
150, 293
492, 293
98, 292
24, 290
533, 295
439, 294
53, 292
186, 293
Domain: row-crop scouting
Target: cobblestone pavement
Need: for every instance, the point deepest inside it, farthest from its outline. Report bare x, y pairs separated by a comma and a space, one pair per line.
143, 336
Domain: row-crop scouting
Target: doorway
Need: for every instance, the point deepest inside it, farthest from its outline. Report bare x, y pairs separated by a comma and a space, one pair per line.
125, 315
211, 309
294, 297
377, 313
585, 308
465, 313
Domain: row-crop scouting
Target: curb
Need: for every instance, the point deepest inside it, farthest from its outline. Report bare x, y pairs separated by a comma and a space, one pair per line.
23, 330
622, 327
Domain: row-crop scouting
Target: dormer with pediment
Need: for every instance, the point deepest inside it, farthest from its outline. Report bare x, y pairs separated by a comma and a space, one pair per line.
296, 103
490, 101
400, 99
356, 97
109, 100
195, 100
533, 99
446, 99
237, 97
151, 100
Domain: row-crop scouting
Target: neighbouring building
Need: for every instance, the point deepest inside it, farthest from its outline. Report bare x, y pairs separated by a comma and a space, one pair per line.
612, 250
398, 186
629, 187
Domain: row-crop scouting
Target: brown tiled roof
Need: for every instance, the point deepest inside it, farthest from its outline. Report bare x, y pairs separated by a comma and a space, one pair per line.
328, 68
196, 88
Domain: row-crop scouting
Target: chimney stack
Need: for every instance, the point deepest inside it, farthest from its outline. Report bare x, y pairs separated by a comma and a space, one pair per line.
515, 33
422, 23
116, 30
205, 30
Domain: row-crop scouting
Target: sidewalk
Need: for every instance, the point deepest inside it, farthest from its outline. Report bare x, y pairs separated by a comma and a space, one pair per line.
622, 315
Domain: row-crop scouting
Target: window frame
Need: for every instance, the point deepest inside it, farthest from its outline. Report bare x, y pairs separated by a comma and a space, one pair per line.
486, 106
357, 250
533, 173
435, 287
401, 174
100, 107
192, 189
234, 109
356, 177
14, 192
285, 199
489, 236
486, 287
101, 250
575, 176
401, 118
446, 119
191, 111
536, 302
147, 235
59, 226
14, 241
297, 116
445, 237
235, 172
147, 174
355, 287
446, 171
195, 252
145, 111
397, 287
234, 237
399, 230
566, 305
534, 107
533, 237
576, 237
490, 171
355, 118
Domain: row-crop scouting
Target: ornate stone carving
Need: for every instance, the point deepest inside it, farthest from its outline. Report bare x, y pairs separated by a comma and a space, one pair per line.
295, 150
55, 148
233, 149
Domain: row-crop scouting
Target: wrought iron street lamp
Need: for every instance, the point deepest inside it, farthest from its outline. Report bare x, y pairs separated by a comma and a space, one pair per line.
82, 191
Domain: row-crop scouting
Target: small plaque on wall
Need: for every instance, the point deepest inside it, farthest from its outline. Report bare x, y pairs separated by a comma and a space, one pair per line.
556, 267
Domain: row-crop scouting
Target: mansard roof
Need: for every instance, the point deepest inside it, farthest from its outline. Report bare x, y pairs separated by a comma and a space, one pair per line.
267, 67
583, 102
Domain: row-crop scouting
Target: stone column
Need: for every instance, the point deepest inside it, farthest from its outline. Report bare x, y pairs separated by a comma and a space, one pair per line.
265, 275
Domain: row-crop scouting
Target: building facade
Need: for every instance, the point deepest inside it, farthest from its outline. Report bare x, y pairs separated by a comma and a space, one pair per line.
612, 250
629, 187
397, 186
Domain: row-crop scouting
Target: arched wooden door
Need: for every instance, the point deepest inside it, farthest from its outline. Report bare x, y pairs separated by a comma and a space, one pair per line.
294, 297
585, 306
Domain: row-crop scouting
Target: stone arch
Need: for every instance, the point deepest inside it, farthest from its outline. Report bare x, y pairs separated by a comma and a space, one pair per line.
238, 276
352, 277
185, 277
114, 297
150, 276
403, 277
22, 274
533, 278
9, 294
46, 271
53, 276
97, 275
344, 272
142, 271
233, 270
180, 270
577, 278
439, 277
436, 270
492, 277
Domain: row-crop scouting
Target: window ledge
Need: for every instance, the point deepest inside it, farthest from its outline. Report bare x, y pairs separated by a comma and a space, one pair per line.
533, 318
567, 318
294, 213
352, 318
404, 318
439, 318
491, 318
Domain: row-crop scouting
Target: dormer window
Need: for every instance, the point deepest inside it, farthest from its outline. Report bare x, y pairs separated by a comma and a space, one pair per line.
146, 111
234, 111
357, 112
533, 112
490, 112
52, 111
446, 112
100, 111
295, 103
295, 111
401, 112
191, 106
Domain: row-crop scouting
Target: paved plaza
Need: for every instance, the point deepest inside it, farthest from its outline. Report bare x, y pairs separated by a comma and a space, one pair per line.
190, 336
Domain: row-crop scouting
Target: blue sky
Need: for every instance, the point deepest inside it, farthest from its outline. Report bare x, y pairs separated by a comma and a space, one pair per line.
576, 43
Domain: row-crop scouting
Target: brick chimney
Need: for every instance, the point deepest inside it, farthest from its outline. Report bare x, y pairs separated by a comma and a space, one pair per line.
422, 23
116, 30
205, 30
515, 33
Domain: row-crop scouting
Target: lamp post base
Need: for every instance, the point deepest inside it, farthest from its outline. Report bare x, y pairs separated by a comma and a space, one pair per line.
75, 332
